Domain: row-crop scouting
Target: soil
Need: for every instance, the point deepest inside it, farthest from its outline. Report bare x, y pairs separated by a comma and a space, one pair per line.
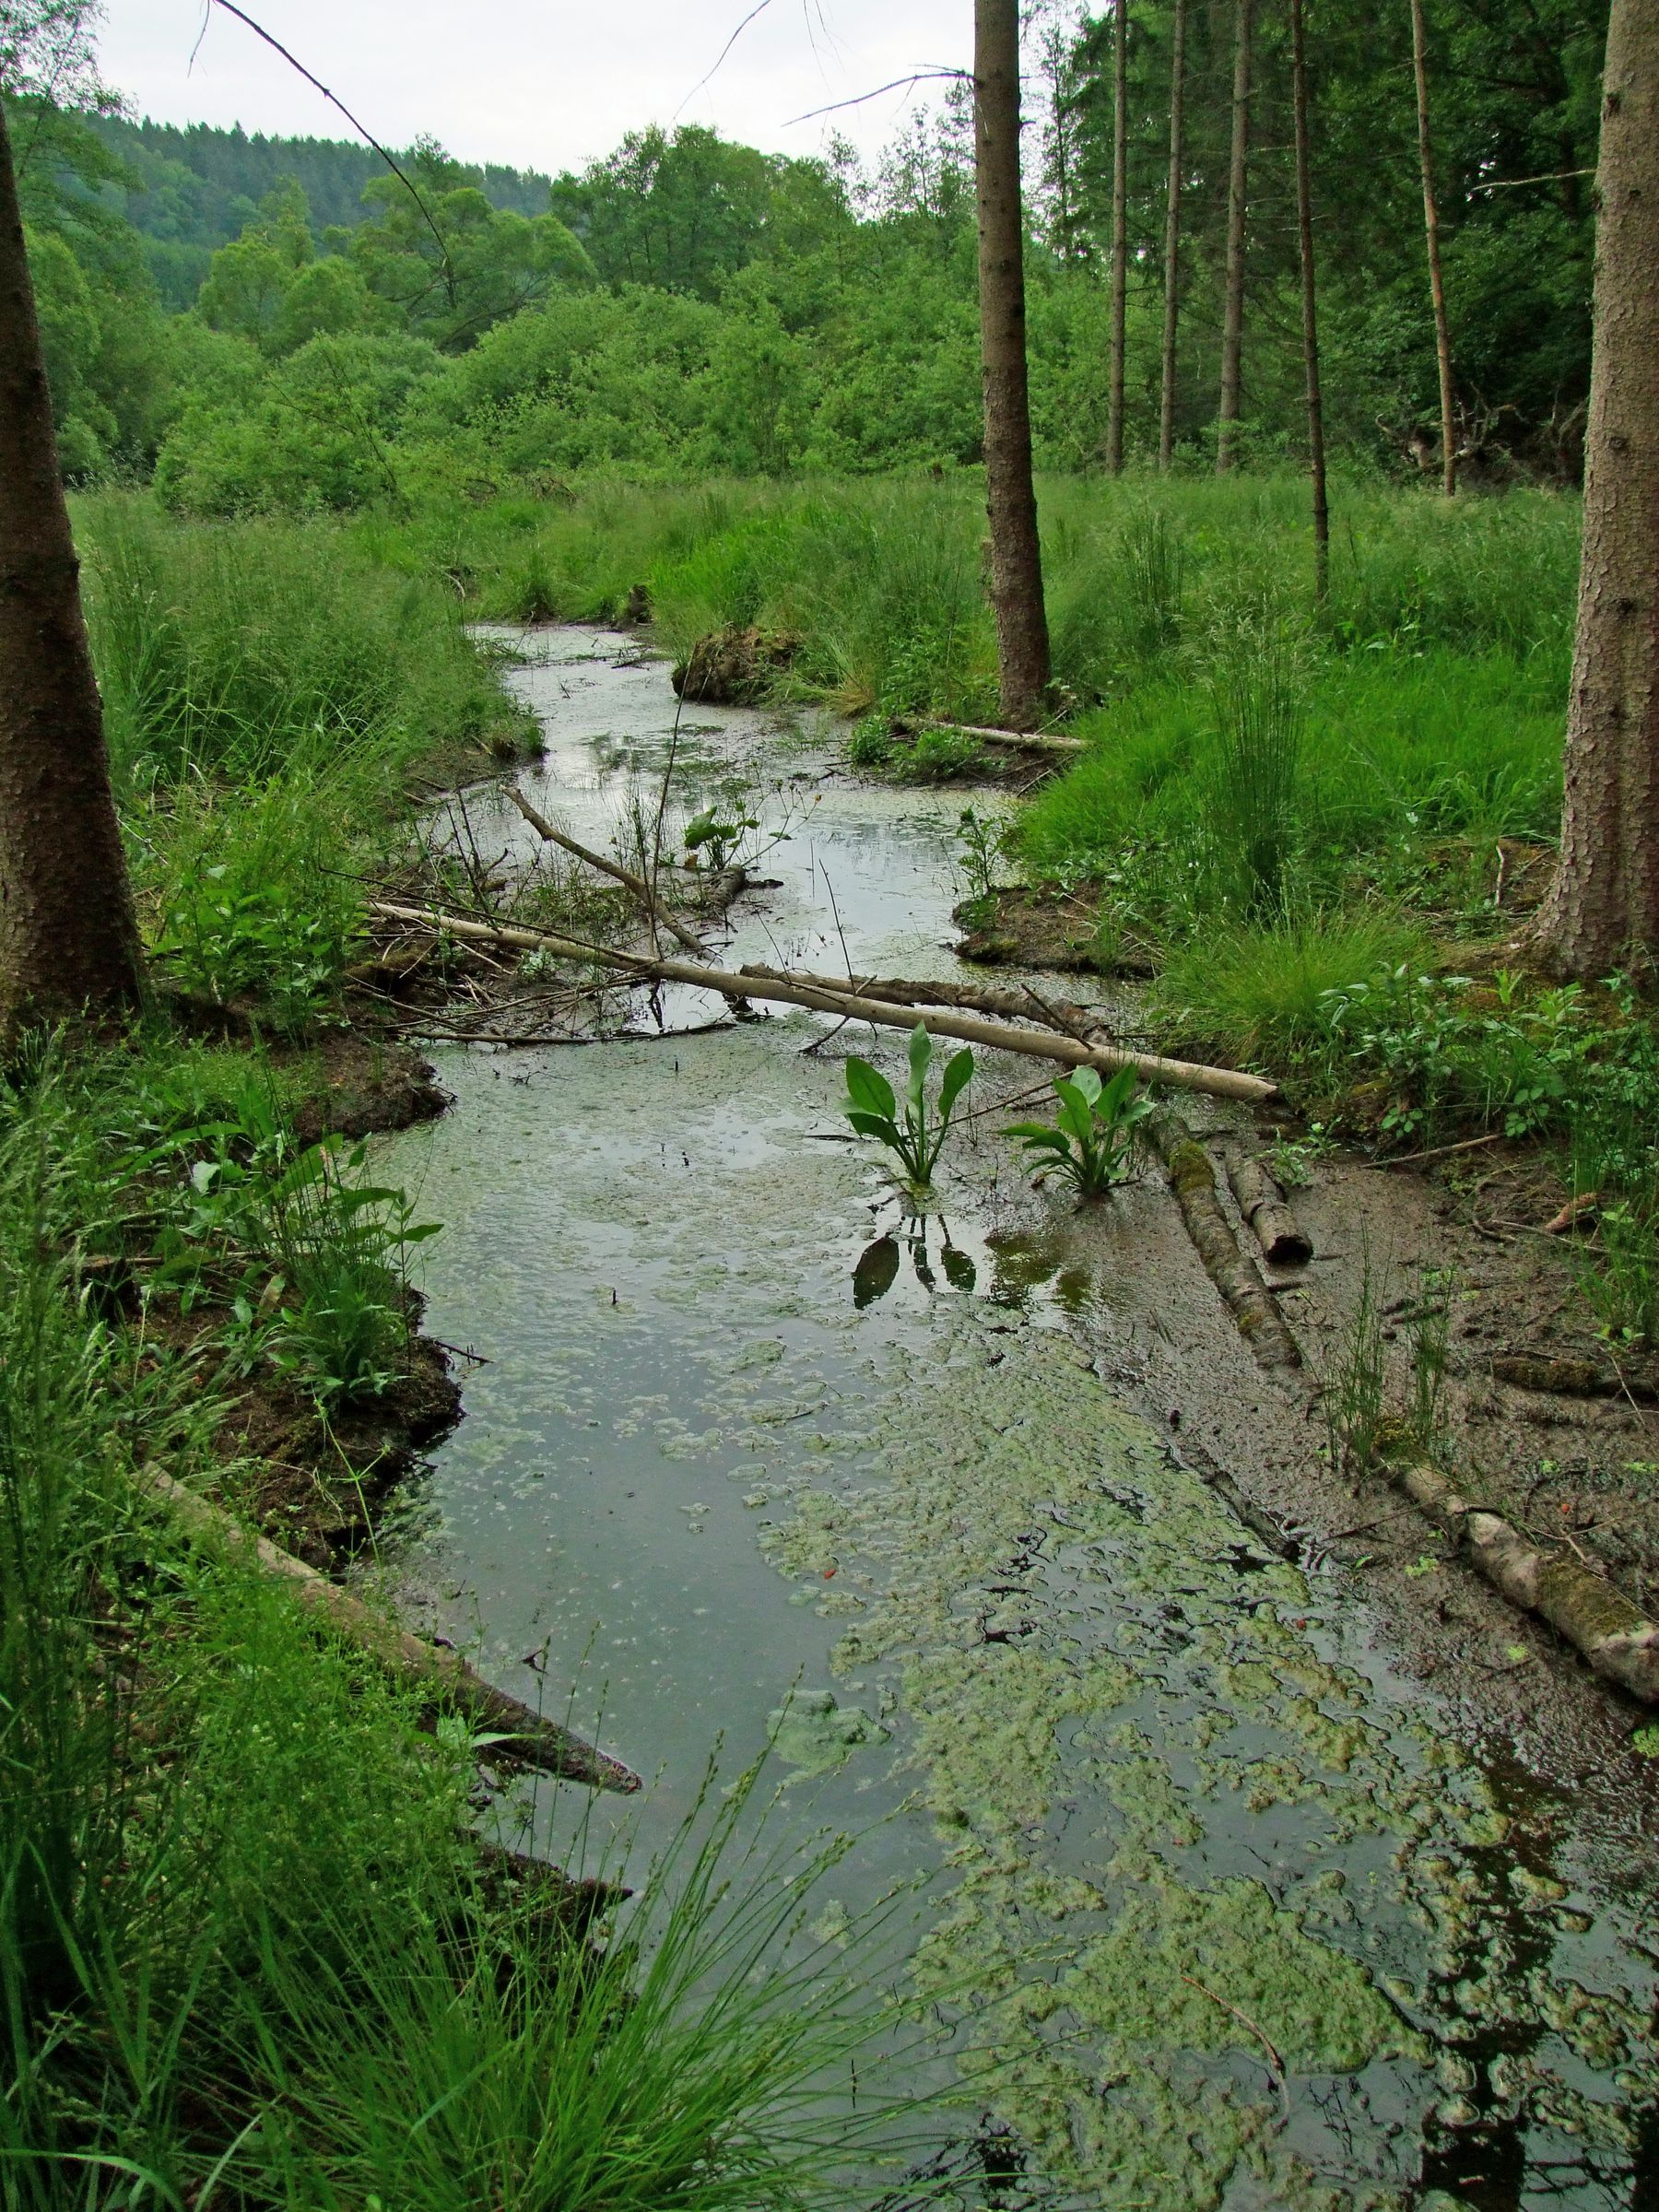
1015, 927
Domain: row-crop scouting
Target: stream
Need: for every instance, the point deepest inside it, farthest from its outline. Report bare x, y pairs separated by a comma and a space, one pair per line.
1220, 1912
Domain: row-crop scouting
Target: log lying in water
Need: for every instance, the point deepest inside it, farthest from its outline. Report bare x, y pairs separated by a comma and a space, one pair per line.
1261, 1203
1236, 1276
1023, 1004
1222, 1082
430, 1666
1598, 1620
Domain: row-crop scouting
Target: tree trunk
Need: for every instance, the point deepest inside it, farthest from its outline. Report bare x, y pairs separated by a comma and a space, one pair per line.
1310, 304
1232, 321
1443, 335
68, 939
1022, 639
1120, 235
1166, 406
1602, 909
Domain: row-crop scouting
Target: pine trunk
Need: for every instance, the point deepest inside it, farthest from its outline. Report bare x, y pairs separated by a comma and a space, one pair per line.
1238, 179
1119, 236
1310, 304
1023, 641
1603, 911
68, 939
1442, 334
1166, 405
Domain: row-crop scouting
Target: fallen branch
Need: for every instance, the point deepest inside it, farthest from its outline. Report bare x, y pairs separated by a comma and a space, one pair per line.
1236, 1276
525, 1735
636, 884
1597, 1619
1222, 1082
1275, 2065
1015, 1006
1020, 741
1266, 1213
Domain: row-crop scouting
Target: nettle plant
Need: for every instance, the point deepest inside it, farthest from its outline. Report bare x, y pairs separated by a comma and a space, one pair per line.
913, 1133
1090, 1143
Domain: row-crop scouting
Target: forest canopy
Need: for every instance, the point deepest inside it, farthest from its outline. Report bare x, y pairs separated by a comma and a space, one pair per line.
282, 324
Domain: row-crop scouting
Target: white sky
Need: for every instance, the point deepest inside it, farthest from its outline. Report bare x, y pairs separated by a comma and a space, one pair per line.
541, 83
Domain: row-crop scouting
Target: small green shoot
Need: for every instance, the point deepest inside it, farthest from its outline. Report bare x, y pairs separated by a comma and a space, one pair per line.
1091, 1141
914, 1136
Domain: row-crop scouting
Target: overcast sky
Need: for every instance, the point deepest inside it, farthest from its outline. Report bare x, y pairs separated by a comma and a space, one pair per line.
541, 83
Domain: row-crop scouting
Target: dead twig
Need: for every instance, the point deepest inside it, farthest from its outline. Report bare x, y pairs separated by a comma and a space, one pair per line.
1275, 2065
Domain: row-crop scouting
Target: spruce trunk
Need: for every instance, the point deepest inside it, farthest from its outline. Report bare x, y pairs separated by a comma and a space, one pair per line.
68, 938
1443, 334
1119, 236
1166, 404
1603, 910
1022, 639
1309, 305
1237, 178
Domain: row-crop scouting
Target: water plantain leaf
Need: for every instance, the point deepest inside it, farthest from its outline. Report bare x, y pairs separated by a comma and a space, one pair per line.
921, 1053
958, 1074
1087, 1080
869, 1091
880, 1126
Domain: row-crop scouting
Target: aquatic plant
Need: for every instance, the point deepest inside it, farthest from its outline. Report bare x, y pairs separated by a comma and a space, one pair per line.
1090, 1142
915, 1135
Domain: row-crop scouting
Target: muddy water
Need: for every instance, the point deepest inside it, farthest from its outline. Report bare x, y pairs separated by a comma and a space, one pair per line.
1221, 1915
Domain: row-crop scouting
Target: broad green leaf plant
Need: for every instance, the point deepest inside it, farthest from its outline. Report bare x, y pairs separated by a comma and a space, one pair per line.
913, 1135
1090, 1142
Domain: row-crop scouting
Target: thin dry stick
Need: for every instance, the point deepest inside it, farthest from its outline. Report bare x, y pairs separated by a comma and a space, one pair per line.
636, 884
1275, 2065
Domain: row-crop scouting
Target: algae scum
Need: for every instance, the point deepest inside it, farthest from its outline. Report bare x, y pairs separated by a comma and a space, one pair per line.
1218, 1915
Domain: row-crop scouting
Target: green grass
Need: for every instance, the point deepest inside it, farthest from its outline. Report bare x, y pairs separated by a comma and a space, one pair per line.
247, 1954
1257, 993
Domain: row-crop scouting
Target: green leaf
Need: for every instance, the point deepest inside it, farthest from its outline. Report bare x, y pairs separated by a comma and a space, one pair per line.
958, 1074
870, 1090
875, 1125
921, 1054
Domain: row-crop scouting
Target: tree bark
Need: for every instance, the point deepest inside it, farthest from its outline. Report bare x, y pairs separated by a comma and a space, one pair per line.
68, 937
1120, 236
1166, 405
1237, 178
1602, 909
1310, 306
1022, 638
1442, 334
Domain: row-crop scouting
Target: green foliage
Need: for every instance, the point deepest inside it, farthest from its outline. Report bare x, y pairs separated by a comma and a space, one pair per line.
1267, 991
914, 1134
1092, 1142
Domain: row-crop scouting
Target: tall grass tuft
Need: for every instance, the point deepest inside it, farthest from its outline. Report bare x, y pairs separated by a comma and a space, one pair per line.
1253, 785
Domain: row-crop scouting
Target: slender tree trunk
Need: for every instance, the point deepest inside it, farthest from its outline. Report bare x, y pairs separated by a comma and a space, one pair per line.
1603, 910
1309, 305
68, 940
1120, 235
1022, 639
1166, 404
1238, 180
1442, 334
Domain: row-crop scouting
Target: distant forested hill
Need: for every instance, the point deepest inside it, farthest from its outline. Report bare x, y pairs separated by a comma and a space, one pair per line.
197, 187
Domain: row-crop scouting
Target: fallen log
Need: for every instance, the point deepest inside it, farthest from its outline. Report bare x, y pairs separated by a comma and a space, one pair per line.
1582, 1606
1108, 1059
1265, 1213
1023, 1004
1235, 1275
641, 890
525, 1733
1023, 741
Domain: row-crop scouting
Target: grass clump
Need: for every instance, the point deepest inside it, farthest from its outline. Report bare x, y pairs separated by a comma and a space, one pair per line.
1264, 991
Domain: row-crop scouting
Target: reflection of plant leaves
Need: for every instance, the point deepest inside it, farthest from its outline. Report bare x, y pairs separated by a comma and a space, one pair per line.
877, 1271
959, 1270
